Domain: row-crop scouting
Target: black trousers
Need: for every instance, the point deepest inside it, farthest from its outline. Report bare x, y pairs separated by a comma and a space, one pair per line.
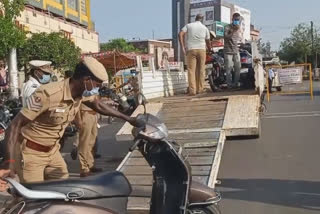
270, 84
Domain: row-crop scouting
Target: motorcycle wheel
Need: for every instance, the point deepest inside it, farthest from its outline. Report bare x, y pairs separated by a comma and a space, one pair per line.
211, 78
212, 209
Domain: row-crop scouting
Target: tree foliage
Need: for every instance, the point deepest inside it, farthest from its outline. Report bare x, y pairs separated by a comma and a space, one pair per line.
10, 35
299, 45
119, 44
264, 48
53, 47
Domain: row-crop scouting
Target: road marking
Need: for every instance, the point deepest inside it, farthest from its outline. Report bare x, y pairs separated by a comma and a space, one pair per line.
182, 131
292, 116
303, 112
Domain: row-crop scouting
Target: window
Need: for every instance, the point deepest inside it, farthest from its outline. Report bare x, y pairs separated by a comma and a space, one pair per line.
83, 7
73, 4
59, 1
209, 15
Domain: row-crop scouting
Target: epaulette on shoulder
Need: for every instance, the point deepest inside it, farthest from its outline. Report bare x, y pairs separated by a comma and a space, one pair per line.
51, 89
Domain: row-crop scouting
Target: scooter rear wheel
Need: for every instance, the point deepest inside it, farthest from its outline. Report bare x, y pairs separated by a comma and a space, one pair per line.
212, 209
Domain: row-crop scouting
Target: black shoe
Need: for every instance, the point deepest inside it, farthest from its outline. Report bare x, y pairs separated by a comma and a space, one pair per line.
95, 170
97, 156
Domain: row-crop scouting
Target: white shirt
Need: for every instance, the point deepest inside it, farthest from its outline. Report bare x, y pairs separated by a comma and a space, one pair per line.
197, 34
28, 88
271, 73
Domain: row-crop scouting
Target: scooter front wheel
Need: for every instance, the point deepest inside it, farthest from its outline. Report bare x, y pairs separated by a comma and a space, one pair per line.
212, 209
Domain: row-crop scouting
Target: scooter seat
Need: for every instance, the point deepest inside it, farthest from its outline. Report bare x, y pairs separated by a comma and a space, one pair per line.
200, 193
104, 185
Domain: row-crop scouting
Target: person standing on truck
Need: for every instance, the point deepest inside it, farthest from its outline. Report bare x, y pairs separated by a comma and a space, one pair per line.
198, 39
233, 35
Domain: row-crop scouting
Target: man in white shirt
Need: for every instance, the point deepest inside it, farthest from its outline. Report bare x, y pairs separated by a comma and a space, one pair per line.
270, 79
198, 39
40, 74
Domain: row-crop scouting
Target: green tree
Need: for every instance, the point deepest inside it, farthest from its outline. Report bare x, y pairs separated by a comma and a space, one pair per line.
119, 44
264, 48
10, 35
53, 47
297, 47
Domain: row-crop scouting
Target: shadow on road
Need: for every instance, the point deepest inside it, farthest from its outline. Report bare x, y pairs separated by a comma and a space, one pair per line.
291, 193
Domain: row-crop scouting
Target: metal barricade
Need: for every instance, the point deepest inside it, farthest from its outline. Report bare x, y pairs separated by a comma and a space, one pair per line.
291, 75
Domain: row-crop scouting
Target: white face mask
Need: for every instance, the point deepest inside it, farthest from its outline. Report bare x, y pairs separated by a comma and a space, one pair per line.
92, 92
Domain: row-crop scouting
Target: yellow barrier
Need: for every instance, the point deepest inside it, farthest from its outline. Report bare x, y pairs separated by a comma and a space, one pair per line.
118, 82
296, 92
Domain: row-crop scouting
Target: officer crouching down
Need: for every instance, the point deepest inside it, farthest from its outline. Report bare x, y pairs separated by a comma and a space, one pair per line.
32, 141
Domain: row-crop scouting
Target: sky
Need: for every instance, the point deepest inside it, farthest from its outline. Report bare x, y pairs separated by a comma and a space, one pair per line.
143, 19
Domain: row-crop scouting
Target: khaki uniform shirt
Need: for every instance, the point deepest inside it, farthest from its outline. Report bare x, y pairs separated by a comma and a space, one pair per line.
51, 108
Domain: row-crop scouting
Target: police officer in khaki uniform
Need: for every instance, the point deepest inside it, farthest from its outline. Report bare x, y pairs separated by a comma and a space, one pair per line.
87, 138
40, 74
42, 123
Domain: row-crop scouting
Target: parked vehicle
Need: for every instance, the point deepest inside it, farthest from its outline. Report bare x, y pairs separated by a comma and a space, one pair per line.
4, 124
126, 103
9, 108
247, 79
217, 76
70, 131
173, 192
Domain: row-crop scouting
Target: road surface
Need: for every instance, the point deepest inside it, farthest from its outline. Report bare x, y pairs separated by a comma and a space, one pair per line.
279, 172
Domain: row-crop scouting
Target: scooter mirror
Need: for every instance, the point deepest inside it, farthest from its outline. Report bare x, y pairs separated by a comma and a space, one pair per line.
142, 101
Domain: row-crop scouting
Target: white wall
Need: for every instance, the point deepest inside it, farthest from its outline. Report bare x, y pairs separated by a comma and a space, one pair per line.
36, 22
163, 83
225, 14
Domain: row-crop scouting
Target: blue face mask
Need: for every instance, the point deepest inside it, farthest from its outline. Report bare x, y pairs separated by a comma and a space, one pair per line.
92, 92
45, 79
236, 22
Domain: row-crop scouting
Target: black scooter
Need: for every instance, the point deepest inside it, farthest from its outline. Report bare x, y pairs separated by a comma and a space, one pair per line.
173, 192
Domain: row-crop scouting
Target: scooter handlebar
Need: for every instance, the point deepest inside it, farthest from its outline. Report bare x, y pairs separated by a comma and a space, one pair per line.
135, 145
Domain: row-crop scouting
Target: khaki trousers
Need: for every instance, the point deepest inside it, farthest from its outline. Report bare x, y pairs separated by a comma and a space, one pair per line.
87, 139
35, 166
196, 62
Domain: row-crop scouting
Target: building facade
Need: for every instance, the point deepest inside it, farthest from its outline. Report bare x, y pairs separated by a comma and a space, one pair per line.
70, 17
255, 34
160, 50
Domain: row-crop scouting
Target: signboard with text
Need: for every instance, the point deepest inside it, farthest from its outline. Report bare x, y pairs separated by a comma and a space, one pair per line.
289, 76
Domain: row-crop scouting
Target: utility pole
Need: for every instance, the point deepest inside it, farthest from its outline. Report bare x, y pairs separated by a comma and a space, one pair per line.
13, 72
312, 45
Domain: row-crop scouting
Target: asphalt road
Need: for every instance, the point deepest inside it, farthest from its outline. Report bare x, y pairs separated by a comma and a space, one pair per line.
279, 172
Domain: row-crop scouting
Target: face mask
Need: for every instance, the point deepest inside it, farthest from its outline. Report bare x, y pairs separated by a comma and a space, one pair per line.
93, 92
236, 22
45, 79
